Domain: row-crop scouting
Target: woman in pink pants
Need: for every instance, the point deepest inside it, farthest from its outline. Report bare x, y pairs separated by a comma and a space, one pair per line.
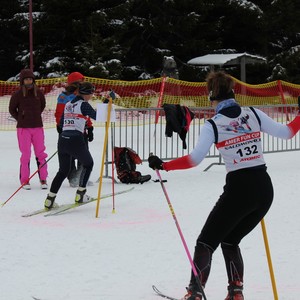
26, 106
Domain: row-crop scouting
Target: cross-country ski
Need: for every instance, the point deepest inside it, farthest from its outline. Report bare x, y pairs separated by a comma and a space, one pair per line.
159, 293
64, 207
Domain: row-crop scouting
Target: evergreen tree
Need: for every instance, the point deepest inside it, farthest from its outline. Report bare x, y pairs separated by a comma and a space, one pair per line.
14, 35
123, 39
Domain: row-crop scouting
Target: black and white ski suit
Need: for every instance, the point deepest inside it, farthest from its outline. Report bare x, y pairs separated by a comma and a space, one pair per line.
71, 143
248, 191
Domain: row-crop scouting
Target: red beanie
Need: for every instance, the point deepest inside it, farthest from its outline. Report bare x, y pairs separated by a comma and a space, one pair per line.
75, 76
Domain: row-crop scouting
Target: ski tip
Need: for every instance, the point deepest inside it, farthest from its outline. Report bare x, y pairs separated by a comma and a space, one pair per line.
155, 289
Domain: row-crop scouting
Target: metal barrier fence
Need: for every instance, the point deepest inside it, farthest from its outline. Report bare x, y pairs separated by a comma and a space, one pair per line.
136, 129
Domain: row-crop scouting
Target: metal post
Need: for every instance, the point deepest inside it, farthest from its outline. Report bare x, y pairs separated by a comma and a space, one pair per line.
30, 36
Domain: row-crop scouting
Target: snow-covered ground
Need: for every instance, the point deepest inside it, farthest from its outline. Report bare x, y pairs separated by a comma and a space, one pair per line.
76, 256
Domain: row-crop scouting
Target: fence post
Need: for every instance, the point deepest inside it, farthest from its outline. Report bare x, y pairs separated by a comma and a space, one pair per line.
283, 99
160, 98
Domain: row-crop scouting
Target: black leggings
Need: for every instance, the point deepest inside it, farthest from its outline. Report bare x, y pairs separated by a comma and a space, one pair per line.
247, 197
70, 147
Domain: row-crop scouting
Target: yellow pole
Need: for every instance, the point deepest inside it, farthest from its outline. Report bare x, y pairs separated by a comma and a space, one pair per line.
103, 155
263, 227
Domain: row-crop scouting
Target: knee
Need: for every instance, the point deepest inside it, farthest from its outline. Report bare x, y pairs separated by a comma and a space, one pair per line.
25, 156
87, 163
62, 173
230, 248
209, 244
203, 247
42, 156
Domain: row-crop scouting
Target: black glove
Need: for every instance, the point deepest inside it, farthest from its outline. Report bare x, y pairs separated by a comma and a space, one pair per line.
59, 129
155, 162
111, 95
90, 134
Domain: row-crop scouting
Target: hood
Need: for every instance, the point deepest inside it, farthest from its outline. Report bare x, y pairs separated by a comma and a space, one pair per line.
26, 73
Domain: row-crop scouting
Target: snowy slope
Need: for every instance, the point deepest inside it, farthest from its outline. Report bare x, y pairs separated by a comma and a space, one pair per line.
119, 256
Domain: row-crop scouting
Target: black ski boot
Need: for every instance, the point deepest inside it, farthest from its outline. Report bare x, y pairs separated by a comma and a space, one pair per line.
50, 202
144, 178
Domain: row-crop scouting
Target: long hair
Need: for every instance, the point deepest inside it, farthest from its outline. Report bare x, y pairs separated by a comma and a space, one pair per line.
26, 90
72, 88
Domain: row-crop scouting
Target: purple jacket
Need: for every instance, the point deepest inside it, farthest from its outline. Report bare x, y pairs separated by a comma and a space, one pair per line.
27, 104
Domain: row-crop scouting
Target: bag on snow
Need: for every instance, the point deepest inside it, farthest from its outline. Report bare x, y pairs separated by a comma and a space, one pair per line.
126, 160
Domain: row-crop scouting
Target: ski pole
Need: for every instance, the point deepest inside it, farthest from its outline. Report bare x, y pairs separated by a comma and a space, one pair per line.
29, 178
113, 172
264, 231
181, 235
103, 155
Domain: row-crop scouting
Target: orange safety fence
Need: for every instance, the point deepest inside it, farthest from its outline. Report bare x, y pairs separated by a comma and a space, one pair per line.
147, 93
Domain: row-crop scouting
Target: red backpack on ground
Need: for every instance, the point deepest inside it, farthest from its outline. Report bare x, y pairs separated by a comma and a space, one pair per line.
126, 160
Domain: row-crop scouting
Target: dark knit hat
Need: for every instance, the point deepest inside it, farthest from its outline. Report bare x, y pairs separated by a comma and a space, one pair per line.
86, 88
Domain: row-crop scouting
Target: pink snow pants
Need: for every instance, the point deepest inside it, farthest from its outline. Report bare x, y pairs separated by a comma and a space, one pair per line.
36, 138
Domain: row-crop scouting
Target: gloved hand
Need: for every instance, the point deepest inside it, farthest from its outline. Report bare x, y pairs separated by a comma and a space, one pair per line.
111, 95
59, 129
155, 162
90, 134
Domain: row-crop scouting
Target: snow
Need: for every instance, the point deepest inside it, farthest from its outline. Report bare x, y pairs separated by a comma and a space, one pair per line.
228, 59
120, 255
54, 61
248, 5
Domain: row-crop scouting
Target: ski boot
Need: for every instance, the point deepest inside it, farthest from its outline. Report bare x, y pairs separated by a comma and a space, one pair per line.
144, 178
139, 178
192, 294
81, 197
235, 291
50, 201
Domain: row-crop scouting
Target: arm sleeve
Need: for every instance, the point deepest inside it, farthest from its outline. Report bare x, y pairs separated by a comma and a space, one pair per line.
269, 126
180, 163
59, 110
13, 107
87, 110
294, 126
43, 101
205, 141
